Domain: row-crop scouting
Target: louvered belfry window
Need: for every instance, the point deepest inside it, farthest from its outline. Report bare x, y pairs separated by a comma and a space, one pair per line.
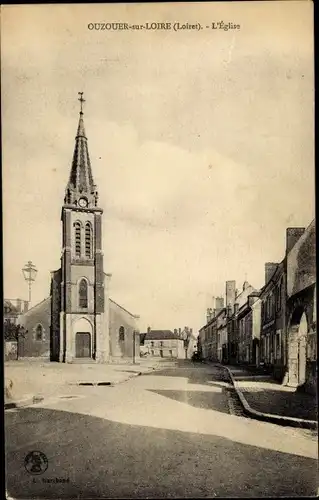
83, 293
88, 240
77, 231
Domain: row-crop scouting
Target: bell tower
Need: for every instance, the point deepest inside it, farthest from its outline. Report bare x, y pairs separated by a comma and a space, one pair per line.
83, 322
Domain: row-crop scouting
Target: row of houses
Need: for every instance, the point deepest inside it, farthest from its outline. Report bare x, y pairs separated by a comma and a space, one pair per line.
275, 326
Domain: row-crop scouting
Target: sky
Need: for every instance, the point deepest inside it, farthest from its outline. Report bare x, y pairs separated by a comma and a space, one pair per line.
201, 145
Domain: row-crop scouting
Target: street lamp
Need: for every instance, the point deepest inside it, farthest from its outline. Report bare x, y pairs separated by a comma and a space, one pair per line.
29, 273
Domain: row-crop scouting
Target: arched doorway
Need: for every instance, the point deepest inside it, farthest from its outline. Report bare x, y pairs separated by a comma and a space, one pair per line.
297, 347
82, 329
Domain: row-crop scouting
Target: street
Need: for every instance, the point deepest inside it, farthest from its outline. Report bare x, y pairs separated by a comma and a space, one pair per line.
176, 432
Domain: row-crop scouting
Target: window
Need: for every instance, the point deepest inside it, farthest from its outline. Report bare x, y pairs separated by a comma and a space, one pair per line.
121, 334
83, 293
88, 240
152, 343
77, 234
171, 352
39, 333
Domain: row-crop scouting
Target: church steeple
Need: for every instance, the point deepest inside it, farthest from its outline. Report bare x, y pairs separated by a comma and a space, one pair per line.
81, 190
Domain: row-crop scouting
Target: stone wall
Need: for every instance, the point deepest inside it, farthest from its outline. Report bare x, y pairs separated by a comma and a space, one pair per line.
121, 345
39, 315
301, 262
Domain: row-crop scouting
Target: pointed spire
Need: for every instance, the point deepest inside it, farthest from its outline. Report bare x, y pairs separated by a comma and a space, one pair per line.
81, 178
81, 130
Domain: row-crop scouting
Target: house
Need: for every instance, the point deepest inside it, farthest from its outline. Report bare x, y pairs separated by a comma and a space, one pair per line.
12, 309
249, 330
164, 343
301, 308
222, 339
191, 345
208, 336
235, 301
273, 319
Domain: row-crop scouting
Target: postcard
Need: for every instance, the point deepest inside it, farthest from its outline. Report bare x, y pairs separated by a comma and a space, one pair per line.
159, 234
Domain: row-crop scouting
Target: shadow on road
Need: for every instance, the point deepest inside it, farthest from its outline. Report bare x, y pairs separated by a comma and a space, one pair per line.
196, 373
106, 459
208, 400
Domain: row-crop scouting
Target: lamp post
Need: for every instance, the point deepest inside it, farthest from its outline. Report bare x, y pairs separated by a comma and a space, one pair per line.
29, 273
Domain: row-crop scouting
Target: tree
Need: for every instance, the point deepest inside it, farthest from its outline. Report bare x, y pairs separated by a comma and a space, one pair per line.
14, 332
186, 336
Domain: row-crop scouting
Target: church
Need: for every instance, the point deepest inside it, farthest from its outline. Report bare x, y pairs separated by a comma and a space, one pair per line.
79, 322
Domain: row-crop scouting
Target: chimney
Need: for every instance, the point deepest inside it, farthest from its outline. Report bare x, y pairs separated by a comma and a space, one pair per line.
292, 236
213, 302
245, 285
175, 331
219, 303
19, 305
236, 307
230, 293
270, 268
209, 314
191, 331
179, 331
251, 300
26, 306
148, 329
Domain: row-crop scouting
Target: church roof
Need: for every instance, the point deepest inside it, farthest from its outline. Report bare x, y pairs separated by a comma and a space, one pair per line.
123, 308
81, 178
43, 302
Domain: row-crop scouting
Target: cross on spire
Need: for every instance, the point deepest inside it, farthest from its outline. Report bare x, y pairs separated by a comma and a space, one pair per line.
81, 101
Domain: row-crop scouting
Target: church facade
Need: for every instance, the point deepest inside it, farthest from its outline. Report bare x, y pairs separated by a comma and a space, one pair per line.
82, 321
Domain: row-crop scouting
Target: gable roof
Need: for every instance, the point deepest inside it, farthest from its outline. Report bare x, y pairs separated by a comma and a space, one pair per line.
243, 295
161, 335
43, 302
136, 316
12, 309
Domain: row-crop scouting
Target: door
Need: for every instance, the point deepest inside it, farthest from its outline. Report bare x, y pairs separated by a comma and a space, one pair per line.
83, 345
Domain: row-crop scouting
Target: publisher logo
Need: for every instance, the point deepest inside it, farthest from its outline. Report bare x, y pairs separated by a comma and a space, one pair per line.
36, 463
